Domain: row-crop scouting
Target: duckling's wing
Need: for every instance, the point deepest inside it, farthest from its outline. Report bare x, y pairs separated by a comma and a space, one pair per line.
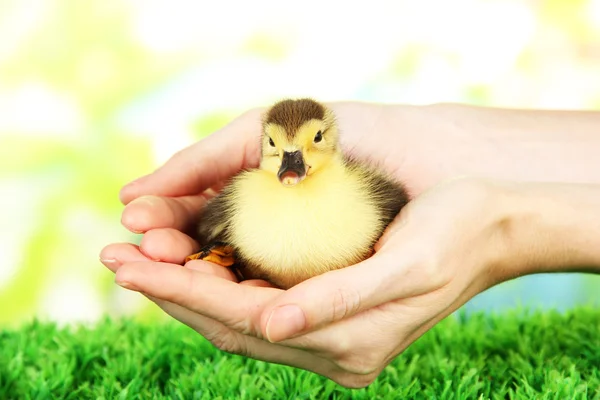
214, 219
212, 229
388, 193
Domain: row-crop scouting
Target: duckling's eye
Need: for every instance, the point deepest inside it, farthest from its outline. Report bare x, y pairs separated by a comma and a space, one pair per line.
318, 137
271, 143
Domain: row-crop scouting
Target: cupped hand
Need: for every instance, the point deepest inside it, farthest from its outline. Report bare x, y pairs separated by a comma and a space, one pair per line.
446, 246
420, 145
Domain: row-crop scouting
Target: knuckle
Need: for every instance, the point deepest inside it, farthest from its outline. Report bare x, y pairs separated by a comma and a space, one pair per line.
186, 298
346, 302
339, 348
226, 341
365, 363
355, 381
429, 270
244, 327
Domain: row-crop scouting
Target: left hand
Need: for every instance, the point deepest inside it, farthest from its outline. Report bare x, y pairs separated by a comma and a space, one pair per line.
446, 246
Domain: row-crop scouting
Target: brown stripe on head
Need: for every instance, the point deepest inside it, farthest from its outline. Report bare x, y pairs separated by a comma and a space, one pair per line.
291, 114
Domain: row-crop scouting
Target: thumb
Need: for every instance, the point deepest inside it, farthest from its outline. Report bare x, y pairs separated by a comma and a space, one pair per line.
342, 293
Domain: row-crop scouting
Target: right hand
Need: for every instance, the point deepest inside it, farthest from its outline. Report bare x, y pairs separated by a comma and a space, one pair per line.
431, 259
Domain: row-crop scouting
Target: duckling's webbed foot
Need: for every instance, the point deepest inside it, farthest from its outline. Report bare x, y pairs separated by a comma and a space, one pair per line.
218, 252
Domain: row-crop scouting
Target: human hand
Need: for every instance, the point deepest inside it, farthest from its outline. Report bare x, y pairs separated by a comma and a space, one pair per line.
368, 132
446, 246
420, 145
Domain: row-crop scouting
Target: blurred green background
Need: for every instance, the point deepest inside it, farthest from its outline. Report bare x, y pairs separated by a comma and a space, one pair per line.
93, 94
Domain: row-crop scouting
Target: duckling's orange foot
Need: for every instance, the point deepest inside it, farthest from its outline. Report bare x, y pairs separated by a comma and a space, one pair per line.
218, 253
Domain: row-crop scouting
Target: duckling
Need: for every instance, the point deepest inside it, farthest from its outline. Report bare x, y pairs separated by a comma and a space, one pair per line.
307, 209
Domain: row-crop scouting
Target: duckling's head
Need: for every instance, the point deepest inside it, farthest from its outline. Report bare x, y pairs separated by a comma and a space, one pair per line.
300, 138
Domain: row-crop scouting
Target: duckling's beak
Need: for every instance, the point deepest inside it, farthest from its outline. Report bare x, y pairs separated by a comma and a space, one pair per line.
293, 168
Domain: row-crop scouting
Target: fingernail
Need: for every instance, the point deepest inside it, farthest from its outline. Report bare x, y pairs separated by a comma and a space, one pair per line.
110, 263
122, 193
127, 285
128, 187
284, 322
146, 199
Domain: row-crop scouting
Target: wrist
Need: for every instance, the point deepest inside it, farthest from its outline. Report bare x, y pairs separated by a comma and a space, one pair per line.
549, 227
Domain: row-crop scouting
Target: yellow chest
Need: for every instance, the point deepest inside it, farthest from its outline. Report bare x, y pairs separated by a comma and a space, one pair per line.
326, 222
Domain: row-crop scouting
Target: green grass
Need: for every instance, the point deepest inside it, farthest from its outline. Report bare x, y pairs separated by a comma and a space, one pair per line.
541, 355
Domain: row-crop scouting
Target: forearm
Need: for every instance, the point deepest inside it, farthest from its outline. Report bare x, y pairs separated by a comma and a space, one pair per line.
523, 145
552, 228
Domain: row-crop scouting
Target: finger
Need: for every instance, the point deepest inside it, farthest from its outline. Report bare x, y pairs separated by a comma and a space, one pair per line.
168, 245
257, 283
115, 254
225, 273
211, 268
151, 212
234, 305
342, 293
203, 164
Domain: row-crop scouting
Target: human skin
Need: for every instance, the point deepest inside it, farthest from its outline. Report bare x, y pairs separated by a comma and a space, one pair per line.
455, 239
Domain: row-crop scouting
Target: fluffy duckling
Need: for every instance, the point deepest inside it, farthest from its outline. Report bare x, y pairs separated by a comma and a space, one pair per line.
307, 209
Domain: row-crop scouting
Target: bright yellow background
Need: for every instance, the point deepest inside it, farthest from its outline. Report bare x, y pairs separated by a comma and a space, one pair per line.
93, 94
